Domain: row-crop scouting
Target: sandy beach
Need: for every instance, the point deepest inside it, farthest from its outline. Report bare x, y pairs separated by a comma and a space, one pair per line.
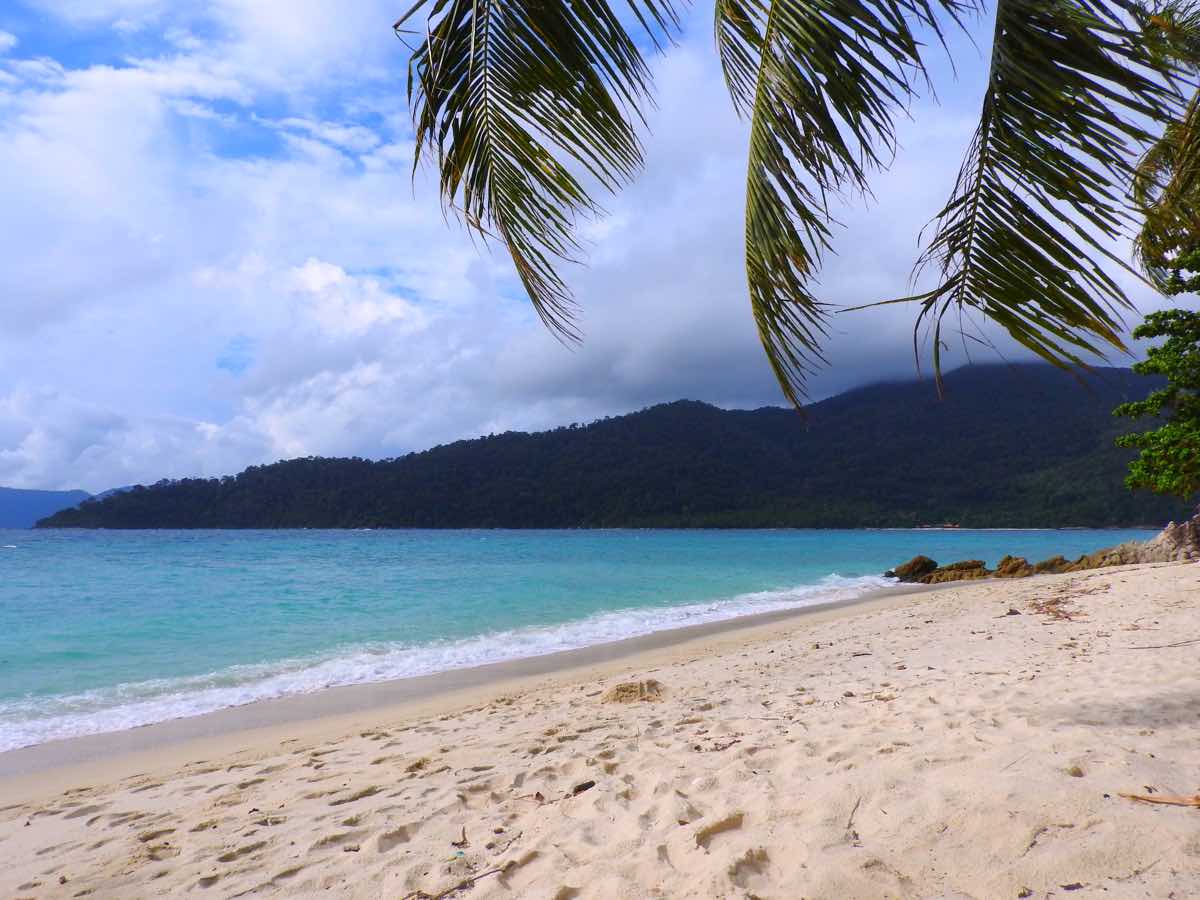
973, 741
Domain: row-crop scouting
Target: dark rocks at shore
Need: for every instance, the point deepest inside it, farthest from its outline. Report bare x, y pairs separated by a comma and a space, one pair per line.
923, 570
1013, 567
964, 570
1176, 543
913, 570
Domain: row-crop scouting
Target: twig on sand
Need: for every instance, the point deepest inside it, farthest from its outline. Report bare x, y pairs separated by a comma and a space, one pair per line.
853, 812
1164, 799
450, 891
851, 834
1015, 761
1164, 646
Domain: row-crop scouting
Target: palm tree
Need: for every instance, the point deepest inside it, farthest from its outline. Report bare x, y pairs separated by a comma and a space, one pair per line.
531, 106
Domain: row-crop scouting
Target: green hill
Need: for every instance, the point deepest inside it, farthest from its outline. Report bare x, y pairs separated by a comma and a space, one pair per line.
1009, 446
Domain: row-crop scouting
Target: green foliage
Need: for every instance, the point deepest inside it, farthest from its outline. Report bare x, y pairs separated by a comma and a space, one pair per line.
518, 100
1045, 180
1169, 462
1166, 182
526, 104
1010, 446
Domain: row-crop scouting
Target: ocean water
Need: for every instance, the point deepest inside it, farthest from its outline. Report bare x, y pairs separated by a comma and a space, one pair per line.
105, 630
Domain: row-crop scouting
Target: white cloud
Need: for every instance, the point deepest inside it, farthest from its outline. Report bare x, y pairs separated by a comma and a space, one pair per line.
217, 256
355, 138
7, 41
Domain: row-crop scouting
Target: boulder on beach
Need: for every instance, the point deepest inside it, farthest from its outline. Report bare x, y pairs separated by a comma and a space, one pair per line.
963, 570
1013, 567
1054, 565
913, 570
1175, 543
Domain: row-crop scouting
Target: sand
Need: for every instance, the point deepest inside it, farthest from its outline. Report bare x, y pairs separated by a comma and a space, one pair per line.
928, 745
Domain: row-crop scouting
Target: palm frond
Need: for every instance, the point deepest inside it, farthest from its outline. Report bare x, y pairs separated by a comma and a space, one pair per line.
524, 103
1166, 188
1166, 182
821, 83
1025, 237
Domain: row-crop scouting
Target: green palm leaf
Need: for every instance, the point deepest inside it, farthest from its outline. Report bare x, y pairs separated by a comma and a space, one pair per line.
820, 82
1042, 193
522, 102
1166, 187
1166, 182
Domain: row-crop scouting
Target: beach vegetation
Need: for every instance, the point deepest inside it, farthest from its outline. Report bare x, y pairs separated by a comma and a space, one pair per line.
1168, 461
1166, 188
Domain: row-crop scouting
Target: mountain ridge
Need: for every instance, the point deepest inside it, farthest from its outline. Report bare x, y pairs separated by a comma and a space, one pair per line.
1010, 446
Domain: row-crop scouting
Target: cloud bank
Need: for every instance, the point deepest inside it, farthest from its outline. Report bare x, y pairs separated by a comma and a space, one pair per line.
218, 255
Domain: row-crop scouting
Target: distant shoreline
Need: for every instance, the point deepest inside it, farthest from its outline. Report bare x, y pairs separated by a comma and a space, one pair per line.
1137, 527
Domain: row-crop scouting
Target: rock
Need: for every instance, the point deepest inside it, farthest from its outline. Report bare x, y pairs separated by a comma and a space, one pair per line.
914, 569
964, 570
964, 565
1013, 567
1054, 565
1176, 543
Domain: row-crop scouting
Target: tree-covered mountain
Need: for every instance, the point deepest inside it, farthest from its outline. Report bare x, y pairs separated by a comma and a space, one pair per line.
1008, 446
20, 508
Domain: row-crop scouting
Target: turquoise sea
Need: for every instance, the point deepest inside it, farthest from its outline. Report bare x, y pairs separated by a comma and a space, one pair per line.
104, 630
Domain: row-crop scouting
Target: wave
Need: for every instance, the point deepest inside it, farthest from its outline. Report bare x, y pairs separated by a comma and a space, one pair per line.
31, 721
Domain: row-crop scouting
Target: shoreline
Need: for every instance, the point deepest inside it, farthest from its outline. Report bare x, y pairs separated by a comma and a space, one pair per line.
399, 696
989, 738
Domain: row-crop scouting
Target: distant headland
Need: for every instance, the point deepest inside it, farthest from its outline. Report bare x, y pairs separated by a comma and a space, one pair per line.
1009, 446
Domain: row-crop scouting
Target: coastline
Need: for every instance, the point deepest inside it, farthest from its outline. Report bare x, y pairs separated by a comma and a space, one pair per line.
64, 758
984, 739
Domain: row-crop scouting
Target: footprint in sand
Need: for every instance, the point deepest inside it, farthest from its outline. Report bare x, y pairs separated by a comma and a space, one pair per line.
233, 855
334, 840
751, 869
402, 835
81, 811
361, 794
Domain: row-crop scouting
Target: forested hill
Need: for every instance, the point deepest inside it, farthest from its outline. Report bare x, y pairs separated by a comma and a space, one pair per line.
1009, 446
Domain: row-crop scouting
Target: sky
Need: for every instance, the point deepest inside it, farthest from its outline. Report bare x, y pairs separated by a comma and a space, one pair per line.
216, 252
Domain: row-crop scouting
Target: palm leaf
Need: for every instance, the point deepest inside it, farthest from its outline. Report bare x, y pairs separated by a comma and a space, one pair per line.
524, 102
1025, 237
1166, 183
820, 82
1166, 188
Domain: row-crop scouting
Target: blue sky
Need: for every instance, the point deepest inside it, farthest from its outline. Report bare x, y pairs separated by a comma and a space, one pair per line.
216, 253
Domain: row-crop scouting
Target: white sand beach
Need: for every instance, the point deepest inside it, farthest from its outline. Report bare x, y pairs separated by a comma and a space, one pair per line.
973, 741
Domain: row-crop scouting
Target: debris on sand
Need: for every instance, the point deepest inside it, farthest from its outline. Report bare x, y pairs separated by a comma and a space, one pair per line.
648, 691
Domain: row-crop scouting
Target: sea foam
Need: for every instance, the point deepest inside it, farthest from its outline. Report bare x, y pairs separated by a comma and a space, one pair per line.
30, 721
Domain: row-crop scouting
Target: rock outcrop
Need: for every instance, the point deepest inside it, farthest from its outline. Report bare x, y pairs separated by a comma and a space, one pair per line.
1176, 543
1013, 567
913, 570
960, 571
